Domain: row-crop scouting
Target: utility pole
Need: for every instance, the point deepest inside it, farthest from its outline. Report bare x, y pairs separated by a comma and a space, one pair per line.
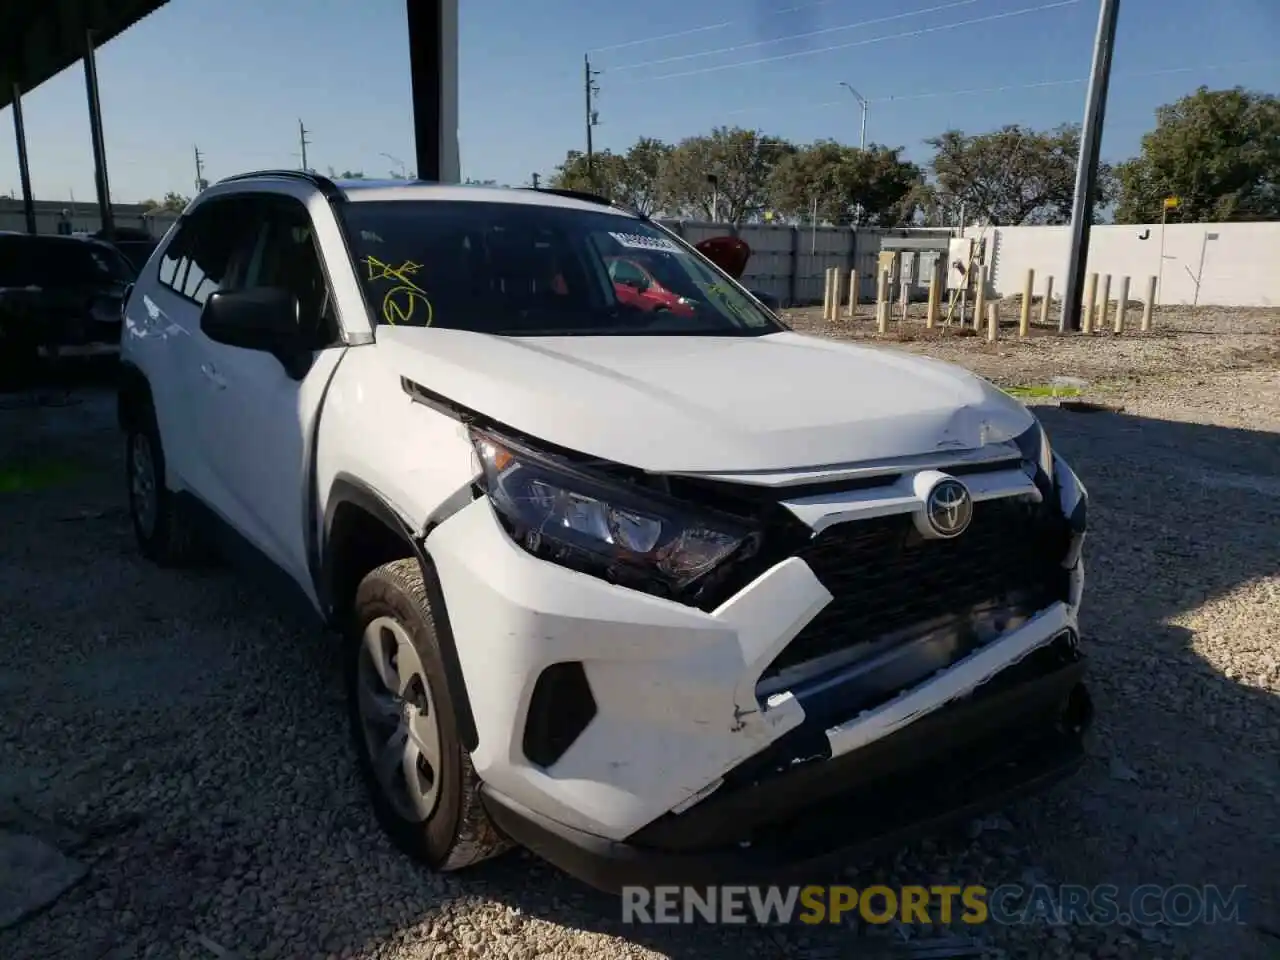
302, 139
593, 116
1087, 164
201, 183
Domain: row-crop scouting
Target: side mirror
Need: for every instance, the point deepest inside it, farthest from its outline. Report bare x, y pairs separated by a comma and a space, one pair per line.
264, 318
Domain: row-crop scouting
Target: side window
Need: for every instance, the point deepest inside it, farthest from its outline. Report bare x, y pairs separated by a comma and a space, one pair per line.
286, 255
173, 256
195, 264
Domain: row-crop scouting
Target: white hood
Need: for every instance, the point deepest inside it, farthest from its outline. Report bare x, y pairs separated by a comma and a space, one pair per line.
710, 404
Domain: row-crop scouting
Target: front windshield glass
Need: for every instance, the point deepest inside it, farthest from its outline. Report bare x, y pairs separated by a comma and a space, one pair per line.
525, 269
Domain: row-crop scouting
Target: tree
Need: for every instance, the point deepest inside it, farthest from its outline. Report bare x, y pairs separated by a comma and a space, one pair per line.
608, 173
874, 186
1013, 175
346, 175
741, 161
632, 178
173, 202
640, 176
1217, 151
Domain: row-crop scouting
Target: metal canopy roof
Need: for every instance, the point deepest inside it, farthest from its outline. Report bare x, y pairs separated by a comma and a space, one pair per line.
41, 38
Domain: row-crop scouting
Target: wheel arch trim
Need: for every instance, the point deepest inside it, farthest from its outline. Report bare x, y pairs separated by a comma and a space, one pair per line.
348, 489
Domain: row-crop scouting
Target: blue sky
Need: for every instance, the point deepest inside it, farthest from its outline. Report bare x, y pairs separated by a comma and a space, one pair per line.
234, 77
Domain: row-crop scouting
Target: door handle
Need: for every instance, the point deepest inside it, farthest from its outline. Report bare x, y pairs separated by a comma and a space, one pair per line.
211, 373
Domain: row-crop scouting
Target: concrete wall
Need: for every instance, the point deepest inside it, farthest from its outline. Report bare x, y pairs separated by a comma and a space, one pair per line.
1241, 267
791, 262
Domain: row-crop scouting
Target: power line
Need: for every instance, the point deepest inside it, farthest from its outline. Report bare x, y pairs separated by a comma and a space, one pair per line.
693, 31
1005, 88
797, 36
665, 36
863, 43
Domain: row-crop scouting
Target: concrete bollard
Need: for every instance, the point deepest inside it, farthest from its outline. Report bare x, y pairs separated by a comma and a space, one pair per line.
1028, 289
1104, 304
993, 322
1044, 304
1090, 301
1123, 305
882, 302
853, 294
1149, 306
980, 298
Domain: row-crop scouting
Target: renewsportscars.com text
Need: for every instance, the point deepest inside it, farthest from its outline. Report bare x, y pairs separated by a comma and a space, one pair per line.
1103, 905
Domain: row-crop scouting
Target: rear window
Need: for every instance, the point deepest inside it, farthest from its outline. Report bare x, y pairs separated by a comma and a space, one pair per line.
524, 269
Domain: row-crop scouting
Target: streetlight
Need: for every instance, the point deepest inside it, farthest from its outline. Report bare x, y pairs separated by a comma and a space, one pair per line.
398, 162
862, 102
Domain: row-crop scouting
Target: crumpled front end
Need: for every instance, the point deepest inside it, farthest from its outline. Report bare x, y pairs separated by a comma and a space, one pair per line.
911, 624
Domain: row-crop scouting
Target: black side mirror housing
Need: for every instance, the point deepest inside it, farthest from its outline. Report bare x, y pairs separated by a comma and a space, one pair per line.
263, 318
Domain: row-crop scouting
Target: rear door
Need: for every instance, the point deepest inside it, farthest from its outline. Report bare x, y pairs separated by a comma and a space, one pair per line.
165, 325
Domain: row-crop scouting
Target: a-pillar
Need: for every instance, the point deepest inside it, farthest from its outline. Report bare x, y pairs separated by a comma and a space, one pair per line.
24, 167
103, 186
433, 72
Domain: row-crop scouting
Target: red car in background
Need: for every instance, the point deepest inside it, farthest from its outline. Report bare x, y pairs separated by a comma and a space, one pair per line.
636, 286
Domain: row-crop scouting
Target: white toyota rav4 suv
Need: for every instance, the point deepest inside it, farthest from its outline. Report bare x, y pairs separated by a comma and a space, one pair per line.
660, 594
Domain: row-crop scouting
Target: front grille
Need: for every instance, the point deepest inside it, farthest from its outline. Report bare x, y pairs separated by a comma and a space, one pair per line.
886, 579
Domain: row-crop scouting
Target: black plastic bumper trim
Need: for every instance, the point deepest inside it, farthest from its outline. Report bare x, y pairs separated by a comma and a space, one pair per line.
875, 817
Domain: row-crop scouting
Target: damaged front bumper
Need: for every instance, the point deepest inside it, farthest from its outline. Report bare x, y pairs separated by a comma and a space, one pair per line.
630, 739
1016, 735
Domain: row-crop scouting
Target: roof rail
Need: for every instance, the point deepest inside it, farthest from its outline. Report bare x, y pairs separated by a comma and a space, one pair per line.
589, 197
322, 183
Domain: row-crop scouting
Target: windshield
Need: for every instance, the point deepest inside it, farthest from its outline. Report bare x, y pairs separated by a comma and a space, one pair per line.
524, 269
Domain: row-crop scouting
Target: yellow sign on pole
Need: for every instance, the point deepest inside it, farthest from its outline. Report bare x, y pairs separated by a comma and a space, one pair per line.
1171, 202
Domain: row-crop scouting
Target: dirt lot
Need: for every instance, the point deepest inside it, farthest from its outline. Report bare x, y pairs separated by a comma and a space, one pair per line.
184, 739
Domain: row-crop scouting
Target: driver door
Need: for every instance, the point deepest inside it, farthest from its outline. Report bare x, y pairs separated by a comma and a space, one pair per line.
260, 414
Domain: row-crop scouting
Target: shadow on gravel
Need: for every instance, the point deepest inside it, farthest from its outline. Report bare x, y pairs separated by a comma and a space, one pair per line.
192, 737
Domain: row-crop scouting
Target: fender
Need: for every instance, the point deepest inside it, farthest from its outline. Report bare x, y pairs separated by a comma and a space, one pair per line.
348, 489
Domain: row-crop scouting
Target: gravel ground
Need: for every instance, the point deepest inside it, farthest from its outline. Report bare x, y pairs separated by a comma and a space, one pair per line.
184, 737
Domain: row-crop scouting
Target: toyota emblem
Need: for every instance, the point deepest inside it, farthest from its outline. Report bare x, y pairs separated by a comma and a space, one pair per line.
949, 508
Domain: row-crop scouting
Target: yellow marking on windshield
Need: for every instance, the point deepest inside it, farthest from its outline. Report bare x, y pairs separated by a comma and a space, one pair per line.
723, 295
401, 302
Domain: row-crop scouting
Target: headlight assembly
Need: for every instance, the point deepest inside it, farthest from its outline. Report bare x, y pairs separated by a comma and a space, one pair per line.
638, 538
1036, 451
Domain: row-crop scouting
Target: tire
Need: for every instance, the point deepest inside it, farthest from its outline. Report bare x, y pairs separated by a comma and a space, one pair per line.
453, 830
165, 531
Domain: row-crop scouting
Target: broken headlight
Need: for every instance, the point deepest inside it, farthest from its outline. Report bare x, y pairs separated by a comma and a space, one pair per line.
1033, 444
559, 511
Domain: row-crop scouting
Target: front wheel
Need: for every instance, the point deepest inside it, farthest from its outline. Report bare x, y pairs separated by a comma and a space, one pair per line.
424, 790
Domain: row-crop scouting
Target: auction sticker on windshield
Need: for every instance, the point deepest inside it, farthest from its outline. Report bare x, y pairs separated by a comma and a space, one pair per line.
639, 242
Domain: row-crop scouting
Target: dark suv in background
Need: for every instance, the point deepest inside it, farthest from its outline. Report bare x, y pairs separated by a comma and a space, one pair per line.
59, 296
